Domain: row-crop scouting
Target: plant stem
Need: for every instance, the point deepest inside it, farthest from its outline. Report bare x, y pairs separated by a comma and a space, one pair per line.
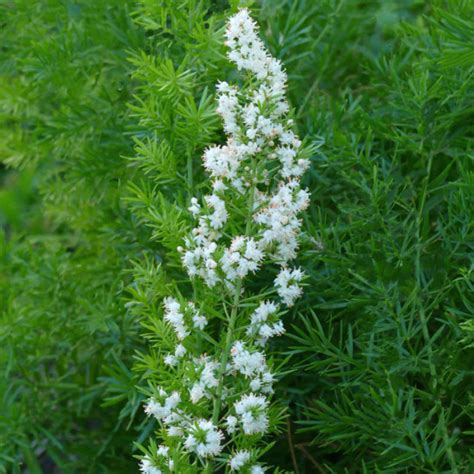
226, 353
189, 176
291, 446
224, 360
230, 327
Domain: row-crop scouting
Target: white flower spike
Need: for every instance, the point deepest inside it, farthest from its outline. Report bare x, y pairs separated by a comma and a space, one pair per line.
216, 393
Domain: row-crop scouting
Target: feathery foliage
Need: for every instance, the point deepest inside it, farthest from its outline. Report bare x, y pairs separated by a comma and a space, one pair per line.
64, 87
105, 110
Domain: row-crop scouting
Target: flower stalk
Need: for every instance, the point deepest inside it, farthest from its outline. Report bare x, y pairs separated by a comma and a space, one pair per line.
213, 406
226, 354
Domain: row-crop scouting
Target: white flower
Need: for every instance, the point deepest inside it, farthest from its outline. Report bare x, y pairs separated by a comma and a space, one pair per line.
161, 410
292, 166
204, 439
266, 331
287, 285
257, 469
147, 467
260, 325
228, 104
239, 460
263, 382
223, 162
219, 186
246, 362
196, 393
171, 360
247, 50
175, 431
231, 424
163, 450
195, 208
197, 261
243, 256
199, 321
252, 412
206, 369
208, 376
175, 317
280, 218
180, 351
219, 217
263, 311
255, 384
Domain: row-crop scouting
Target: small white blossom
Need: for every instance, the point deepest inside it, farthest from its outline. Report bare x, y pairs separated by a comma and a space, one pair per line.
147, 467
219, 217
175, 431
179, 351
171, 360
239, 460
163, 450
164, 408
175, 317
196, 392
280, 219
246, 362
223, 162
199, 321
263, 323
204, 439
228, 104
247, 50
287, 285
231, 424
242, 257
195, 208
207, 369
252, 413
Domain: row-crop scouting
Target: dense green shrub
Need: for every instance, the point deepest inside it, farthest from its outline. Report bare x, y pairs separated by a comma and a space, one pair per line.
105, 110
385, 370
64, 87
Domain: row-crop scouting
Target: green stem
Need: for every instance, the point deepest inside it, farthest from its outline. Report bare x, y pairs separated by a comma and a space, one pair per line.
225, 358
230, 330
189, 176
190, 190
226, 353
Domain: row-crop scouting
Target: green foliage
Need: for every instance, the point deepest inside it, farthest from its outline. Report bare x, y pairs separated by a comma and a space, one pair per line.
384, 368
64, 87
174, 108
105, 108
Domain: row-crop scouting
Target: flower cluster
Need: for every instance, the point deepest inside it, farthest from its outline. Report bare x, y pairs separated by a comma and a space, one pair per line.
261, 152
264, 323
219, 387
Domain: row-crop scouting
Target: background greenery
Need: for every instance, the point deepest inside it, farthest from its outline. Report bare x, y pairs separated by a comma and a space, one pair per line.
105, 108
